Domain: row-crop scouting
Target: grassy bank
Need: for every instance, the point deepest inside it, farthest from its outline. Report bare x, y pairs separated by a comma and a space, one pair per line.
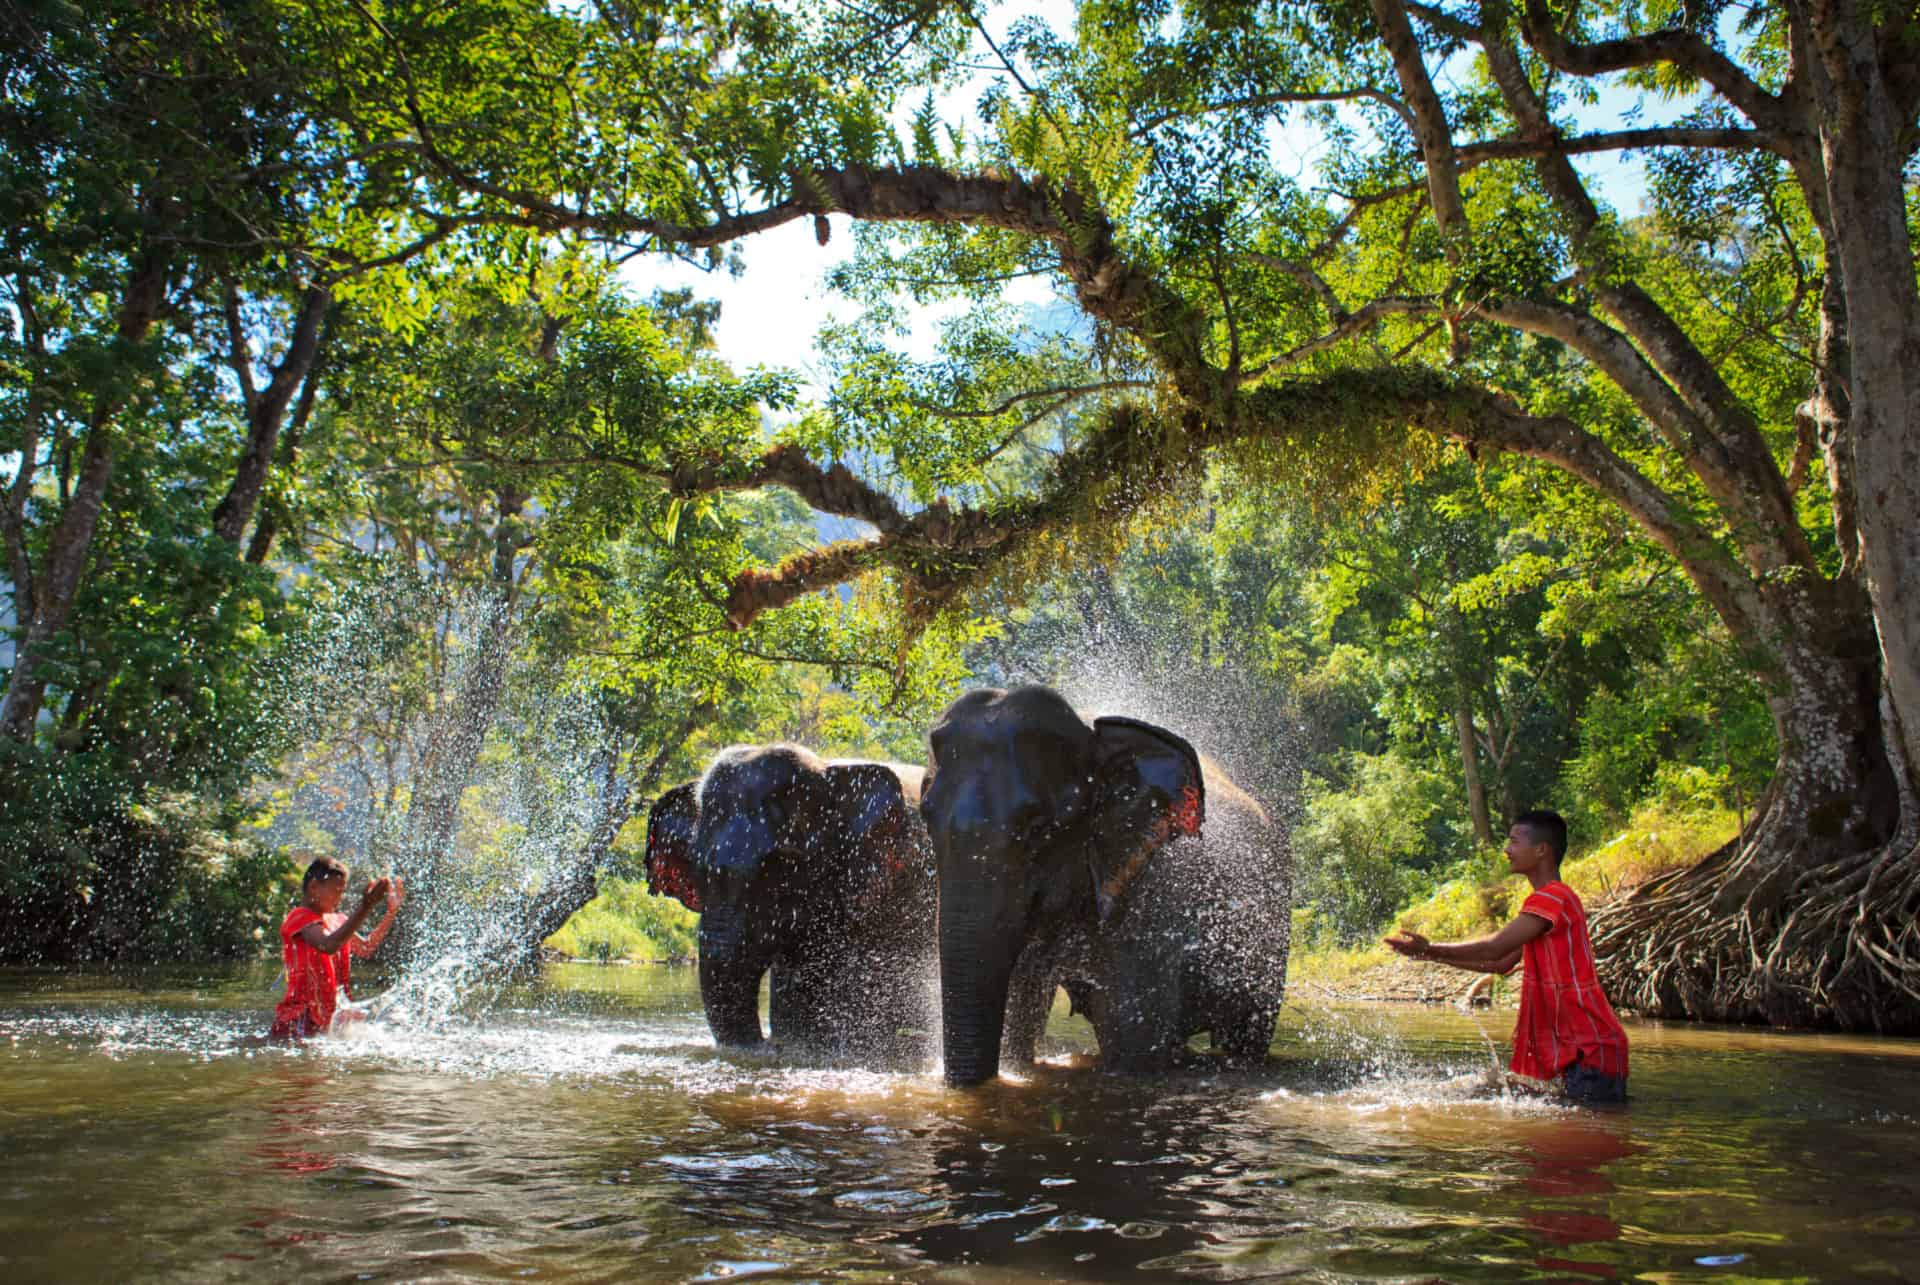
1484, 897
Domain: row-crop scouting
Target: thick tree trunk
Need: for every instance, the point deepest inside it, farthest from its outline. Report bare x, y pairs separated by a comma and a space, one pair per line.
1470, 767
57, 585
13, 522
1781, 925
267, 529
1864, 137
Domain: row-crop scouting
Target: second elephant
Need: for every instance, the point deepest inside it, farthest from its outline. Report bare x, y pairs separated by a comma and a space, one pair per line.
1106, 857
819, 872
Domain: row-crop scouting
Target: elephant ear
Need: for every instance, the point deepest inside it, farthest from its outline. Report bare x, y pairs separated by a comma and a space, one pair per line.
878, 816
1149, 791
671, 824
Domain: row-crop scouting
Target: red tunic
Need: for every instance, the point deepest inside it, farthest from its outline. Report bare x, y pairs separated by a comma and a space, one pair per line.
313, 976
1564, 1015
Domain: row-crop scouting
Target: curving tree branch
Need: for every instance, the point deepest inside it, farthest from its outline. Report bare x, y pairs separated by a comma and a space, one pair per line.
1730, 457
1256, 102
1349, 325
1136, 453
1677, 47
1028, 395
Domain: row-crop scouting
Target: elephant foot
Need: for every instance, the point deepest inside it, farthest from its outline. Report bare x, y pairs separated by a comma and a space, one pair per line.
1141, 1066
1145, 1059
1248, 1038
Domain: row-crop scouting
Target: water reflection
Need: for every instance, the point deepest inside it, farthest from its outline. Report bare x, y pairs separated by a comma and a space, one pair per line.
1567, 1161
587, 1128
297, 1115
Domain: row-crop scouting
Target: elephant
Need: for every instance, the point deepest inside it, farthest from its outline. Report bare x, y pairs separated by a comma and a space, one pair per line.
1109, 858
820, 872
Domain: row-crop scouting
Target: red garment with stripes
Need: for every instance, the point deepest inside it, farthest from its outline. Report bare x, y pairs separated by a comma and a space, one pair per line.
1564, 1015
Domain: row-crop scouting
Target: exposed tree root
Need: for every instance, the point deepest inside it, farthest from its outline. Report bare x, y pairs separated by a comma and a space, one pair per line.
1772, 929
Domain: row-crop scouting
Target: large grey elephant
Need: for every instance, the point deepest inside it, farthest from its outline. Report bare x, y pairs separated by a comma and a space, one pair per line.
1107, 857
820, 872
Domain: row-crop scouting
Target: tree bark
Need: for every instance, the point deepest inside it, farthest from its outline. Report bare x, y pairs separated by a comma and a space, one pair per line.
1470, 768
13, 522
1779, 926
1866, 137
273, 512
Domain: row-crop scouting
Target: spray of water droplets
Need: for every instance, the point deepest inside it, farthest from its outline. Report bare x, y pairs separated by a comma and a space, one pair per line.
1251, 725
430, 749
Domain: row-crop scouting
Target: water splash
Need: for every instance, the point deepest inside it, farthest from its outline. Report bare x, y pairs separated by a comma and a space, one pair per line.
1113, 661
437, 753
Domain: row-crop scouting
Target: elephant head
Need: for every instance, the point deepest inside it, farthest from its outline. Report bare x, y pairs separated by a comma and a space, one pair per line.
1038, 820
780, 852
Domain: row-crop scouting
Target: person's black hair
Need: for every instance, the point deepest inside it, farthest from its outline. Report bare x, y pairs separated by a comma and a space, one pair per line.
322, 868
1546, 827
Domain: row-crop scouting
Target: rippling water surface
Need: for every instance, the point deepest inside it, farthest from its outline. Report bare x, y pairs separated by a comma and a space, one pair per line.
585, 1128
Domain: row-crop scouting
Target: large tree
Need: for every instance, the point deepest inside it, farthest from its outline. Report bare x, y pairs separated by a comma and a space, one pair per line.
1447, 237
1234, 306
178, 218
1299, 320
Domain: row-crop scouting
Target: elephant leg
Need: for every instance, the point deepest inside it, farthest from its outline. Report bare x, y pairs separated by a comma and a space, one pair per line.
1246, 984
1246, 1030
878, 1016
799, 1008
1029, 1001
1137, 1011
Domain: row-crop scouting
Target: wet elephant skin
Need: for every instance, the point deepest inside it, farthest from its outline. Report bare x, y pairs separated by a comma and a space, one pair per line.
1107, 857
820, 872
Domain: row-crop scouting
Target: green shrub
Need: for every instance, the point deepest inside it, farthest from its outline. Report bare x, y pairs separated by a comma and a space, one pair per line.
626, 922
1362, 851
96, 866
1658, 838
227, 904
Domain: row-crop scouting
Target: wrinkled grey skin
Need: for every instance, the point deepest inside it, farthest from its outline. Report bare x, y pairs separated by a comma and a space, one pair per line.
819, 872
1061, 861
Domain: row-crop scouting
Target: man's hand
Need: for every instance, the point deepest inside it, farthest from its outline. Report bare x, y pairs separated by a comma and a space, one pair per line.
396, 893
1409, 943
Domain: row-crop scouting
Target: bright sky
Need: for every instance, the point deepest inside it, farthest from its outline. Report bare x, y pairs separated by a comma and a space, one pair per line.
771, 314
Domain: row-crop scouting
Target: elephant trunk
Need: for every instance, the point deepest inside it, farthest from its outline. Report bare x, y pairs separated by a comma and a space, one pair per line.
979, 940
730, 974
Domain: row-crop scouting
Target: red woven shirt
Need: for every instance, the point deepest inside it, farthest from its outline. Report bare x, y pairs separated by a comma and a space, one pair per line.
313, 976
1564, 1015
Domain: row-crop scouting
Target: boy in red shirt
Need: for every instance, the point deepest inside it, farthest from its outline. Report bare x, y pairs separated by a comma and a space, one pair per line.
1566, 1029
319, 943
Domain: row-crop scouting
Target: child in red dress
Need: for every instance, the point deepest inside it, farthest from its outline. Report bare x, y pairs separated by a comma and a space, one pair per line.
319, 943
1566, 1030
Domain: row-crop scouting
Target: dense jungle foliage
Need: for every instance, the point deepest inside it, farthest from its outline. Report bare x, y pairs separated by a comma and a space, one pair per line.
1291, 383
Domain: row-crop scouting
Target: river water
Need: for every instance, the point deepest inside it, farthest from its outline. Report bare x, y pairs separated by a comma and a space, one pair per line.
584, 1128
